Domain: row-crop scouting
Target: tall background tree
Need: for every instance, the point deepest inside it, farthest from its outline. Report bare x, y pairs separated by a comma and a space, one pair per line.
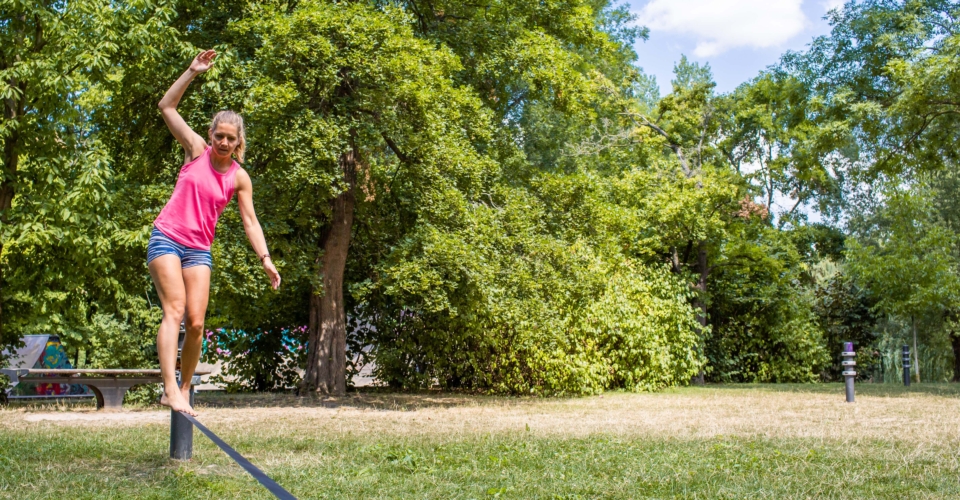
491, 196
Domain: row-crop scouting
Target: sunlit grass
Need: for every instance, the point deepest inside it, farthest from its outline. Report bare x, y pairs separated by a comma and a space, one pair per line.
716, 442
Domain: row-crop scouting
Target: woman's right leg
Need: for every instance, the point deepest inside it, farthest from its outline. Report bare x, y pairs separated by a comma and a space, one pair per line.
168, 279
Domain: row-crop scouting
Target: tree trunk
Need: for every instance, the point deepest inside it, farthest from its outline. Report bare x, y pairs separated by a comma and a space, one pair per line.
2, 339
955, 343
701, 303
326, 369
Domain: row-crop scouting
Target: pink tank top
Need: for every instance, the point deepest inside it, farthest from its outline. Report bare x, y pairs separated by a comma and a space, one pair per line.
201, 194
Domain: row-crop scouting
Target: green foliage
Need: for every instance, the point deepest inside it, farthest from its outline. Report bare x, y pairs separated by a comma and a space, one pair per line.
845, 313
765, 329
905, 257
775, 137
516, 53
532, 216
645, 330
885, 81
65, 255
503, 306
4, 384
143, 395
261, 361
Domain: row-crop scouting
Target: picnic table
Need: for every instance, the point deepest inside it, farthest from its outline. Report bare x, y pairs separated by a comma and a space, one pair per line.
108, 385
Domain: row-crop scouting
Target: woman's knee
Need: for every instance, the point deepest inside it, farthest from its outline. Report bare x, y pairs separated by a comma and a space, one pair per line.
194, 325
174, 311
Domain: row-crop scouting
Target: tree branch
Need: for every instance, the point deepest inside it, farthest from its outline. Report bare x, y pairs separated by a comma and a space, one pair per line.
674, 146
396, 149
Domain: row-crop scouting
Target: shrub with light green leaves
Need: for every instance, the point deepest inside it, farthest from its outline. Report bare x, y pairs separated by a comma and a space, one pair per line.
500, 305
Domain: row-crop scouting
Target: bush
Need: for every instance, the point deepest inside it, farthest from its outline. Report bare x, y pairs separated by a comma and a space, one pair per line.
844, 313
143, 395
4, 384
647, 331
499, 305
765, 328
265, 360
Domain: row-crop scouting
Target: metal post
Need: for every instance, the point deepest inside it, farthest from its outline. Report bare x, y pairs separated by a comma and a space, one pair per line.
906, 365
181, 429
181, 434
849, 372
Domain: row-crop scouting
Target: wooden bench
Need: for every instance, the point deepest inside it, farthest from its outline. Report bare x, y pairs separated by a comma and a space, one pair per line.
109, 386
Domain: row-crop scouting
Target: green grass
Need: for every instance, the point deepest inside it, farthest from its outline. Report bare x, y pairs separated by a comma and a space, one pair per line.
366, 452
104, 465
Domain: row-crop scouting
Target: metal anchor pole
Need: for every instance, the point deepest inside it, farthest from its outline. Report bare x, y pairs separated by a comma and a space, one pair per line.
181, 434
849, 368
181, 429
906, 365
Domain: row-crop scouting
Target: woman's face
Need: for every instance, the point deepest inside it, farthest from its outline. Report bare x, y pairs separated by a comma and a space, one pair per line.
224, 139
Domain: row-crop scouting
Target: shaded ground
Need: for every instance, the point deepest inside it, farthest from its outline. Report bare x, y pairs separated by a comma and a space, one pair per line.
739, 441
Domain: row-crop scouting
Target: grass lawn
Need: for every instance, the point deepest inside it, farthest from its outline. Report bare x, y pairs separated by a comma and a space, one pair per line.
763, 441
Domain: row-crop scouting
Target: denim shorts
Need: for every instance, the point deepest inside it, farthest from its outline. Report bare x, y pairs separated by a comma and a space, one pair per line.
160, 244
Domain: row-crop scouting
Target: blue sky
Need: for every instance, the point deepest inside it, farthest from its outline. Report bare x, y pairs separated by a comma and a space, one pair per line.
738, 38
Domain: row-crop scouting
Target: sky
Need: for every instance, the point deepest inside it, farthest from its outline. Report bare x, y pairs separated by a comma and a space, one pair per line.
739, 38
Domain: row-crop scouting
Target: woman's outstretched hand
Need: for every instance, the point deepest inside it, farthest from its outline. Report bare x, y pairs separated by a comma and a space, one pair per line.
203, 61
272, 273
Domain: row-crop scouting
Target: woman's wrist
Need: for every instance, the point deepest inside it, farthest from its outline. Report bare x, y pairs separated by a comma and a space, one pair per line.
264, 257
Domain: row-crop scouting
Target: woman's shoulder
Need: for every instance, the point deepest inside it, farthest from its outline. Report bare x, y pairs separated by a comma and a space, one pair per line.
241, 178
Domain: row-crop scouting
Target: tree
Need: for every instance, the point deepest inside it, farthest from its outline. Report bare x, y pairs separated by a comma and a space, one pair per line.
488, 196
57, 238
702, 192
362, 105
886, 80
774, 136
437, 316
763, 312
907, 259
510, 68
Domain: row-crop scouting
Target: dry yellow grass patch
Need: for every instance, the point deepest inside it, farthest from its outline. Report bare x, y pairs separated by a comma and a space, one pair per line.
917, 417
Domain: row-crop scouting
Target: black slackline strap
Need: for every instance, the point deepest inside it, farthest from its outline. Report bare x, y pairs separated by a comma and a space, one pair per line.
257, 474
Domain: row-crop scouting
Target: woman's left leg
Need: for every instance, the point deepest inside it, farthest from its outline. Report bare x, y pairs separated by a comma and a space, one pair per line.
196, 281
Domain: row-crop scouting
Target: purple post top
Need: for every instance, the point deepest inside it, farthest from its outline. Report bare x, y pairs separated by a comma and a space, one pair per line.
848, 346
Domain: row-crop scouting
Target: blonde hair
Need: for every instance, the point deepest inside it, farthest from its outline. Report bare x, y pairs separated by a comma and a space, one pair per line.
227, 116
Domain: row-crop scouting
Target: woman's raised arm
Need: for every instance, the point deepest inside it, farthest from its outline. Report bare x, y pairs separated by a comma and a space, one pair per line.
193, 144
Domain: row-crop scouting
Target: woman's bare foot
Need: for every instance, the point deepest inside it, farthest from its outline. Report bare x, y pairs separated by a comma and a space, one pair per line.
185, 392
177, 402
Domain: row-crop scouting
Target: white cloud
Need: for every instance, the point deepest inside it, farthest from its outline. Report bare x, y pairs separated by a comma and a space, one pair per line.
721, 25
829, 5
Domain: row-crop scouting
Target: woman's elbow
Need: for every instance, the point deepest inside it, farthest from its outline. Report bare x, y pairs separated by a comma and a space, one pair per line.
250, 224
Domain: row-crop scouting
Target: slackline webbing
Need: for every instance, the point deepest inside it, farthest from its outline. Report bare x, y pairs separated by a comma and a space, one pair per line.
257, 474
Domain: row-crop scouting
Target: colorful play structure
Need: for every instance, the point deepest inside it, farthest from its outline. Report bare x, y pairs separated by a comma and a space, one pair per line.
42, 352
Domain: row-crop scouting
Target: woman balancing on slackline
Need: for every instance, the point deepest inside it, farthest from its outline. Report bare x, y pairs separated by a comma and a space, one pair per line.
179, 251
